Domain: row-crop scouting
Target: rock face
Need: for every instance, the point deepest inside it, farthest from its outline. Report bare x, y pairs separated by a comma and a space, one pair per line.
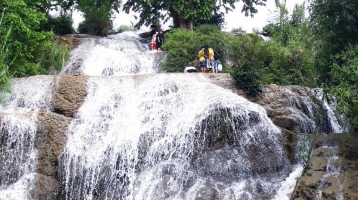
50, 141
286, 106
332, 171
45, 188
70, 94
296, 110
51, 136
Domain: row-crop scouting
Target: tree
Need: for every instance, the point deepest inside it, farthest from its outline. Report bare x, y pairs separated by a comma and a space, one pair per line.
26, 44
335, 28
185, 11
45, 6
97, 15
344, 86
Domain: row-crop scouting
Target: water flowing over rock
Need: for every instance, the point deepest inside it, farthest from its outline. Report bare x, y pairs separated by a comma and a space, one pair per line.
114, 55
300, 110
176, 135
332, 171
31, 138
112, 127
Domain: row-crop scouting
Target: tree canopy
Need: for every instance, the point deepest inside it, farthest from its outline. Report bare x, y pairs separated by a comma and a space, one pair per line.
98, 15
185, 11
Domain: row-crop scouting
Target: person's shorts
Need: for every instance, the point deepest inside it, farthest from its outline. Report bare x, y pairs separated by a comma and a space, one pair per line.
159, 45
214, 64
203, 63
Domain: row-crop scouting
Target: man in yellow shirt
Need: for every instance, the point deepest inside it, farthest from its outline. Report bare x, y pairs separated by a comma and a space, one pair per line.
202, 59
213, 61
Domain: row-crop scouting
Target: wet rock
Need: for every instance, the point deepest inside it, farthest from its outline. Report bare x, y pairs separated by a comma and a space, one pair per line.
331, 171
44, 188
207, 194
71, 41
50, 140
290, 144
72, 91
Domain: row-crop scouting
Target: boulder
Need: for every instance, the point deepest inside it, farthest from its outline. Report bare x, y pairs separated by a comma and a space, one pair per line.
44, 188
207, 194
70, 95
50, 141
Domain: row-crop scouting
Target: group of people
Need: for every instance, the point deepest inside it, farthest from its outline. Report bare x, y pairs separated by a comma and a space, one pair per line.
206, 61
210, 60
157, 40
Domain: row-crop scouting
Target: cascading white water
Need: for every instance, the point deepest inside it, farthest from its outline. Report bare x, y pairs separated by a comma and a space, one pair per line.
114, 55
149, 137
18, 128
33, 92
308, 111
18, 154
332, 172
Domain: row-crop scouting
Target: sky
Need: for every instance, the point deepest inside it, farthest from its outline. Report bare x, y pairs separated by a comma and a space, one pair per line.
234, 19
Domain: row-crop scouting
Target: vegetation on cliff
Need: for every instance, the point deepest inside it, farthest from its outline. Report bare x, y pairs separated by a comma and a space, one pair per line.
298, 51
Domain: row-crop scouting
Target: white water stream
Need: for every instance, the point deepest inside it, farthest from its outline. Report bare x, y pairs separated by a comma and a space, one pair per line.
18, 128
146, 138
141, 135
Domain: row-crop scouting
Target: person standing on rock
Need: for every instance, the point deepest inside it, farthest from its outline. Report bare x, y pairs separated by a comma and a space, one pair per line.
211, 59
159, 40
153, 42
202, 59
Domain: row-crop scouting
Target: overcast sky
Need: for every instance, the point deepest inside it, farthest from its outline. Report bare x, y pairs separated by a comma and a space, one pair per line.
234, 19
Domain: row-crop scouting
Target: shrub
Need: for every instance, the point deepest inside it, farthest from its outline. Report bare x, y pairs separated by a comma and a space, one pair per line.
345, 84
55, 57
95, 25
61, 25
249, 55
5, 76
183, 45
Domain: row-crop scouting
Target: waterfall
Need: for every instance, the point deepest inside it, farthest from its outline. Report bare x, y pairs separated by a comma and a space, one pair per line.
332, 172
18, 155
163, 136
313, 111
18, 128
121, 54
143, 135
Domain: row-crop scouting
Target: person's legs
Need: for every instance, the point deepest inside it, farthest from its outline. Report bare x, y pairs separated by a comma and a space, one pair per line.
203, 65
214, 64
159, 46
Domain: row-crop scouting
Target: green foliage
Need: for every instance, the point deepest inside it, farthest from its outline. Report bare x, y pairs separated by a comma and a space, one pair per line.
291, 49
285, 59
124, 28
55, 58
27, 43
5, 33
97, 14
61, 25
344, 84
249, 55
335, 27
183, 12
183, 45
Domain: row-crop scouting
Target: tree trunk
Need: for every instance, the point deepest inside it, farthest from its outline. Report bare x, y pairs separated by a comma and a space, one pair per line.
186, 24
176, 21
179, 22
